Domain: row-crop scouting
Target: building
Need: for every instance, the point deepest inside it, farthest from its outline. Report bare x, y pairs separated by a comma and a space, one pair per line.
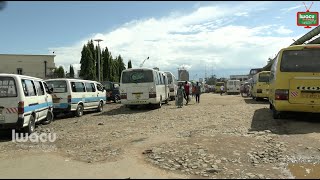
183, 75
40, 66
242, 78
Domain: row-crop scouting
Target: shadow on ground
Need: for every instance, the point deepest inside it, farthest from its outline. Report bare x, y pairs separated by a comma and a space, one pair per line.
5, 135
292, 123
253, 101
69, 115
124, 110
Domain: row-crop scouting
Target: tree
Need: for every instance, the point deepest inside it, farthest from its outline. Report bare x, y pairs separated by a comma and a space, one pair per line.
71, 72
106, 64
88, 69
59, 72
211, 80
129, 64
119, 66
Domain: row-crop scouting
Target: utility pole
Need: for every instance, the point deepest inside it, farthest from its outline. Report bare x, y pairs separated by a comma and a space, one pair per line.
98, 40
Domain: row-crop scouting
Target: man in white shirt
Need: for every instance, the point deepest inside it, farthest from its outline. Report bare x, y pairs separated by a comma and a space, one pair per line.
221, 90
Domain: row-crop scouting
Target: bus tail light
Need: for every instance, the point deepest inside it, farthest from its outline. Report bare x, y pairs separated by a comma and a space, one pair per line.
152, 95
123, 95
281, 94
20, 107
69, 98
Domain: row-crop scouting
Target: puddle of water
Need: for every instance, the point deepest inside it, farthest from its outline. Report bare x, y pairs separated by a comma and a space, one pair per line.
305, 170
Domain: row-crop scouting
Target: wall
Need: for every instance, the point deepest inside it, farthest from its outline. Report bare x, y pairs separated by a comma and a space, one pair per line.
32, 65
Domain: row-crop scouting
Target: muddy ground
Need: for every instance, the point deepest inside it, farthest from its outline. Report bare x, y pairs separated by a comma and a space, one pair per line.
221, 137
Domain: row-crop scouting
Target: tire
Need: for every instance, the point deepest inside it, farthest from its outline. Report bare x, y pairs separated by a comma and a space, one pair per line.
100, 107
31, 126
48, 119
79, 111
116, 99
270, 106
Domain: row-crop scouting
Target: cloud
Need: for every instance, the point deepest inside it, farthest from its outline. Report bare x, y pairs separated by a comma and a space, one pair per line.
207, 38
283, 30
285, 10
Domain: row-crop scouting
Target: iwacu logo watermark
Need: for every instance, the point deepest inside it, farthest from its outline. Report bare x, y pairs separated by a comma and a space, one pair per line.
33, 137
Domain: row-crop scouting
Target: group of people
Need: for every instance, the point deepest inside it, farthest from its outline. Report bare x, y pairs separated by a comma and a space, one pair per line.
183, 92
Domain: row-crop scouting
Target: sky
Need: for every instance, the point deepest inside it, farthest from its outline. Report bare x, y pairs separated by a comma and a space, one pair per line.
212, 37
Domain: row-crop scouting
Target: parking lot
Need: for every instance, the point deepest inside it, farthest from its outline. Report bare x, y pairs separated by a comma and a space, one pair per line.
222, 137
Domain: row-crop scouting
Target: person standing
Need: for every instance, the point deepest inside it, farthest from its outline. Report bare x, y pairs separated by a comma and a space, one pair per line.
197, 92
180, 95
193, 90
221, 90
187, 91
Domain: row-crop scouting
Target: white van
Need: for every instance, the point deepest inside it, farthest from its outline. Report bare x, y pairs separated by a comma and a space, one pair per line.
146, 86
76, 95
24, 101
233, 87
173, 85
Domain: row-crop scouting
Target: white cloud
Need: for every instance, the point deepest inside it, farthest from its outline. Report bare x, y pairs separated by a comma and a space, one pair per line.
285, 10
205, 37
283, 30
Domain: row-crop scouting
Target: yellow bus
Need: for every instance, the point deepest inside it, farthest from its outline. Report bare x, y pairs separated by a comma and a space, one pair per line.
260, 88
295, 80
218, 85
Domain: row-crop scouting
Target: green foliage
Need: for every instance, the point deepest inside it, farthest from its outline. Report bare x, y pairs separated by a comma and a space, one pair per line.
110, 69
71, 72
211, 80
59, 72
88, 69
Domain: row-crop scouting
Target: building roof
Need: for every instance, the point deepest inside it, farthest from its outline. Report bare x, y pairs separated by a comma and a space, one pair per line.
28, 55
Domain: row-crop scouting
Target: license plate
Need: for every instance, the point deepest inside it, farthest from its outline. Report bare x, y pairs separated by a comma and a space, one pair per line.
310, 96
138, 96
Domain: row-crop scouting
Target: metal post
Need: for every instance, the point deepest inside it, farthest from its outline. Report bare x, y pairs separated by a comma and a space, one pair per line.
98, 40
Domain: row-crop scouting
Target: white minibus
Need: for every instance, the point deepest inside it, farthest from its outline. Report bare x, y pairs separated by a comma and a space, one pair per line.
143, 86
24, 101
76, 95
233, 87
173, 85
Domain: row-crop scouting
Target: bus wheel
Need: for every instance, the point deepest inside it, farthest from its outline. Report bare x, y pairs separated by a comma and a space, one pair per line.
100, 107
48, 119
31, 126
79, 111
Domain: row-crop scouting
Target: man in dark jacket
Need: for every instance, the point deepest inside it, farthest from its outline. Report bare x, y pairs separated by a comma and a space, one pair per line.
198, 92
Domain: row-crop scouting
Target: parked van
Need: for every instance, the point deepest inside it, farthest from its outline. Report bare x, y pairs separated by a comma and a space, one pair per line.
76, 95
233, 87
260, 86
295, 79
218, 85
112, 91
173, 85
146, 86
24, 101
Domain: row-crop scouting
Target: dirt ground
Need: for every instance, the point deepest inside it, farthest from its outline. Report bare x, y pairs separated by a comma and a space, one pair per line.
221, 137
